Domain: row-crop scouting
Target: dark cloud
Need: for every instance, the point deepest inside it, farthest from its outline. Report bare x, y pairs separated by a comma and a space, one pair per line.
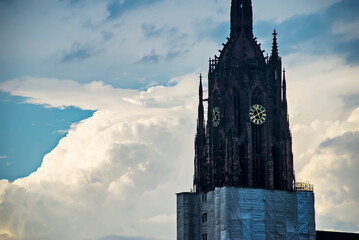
319, 33
75, 3
72, 1
151, 58
116, 7
7, 2
150, 30
175, 37
173, 53
347, 143
294, 33
351, 101
106, 35
345, 10
154, 58
175, 34
78, 52
345, 150
216, 31
350, 49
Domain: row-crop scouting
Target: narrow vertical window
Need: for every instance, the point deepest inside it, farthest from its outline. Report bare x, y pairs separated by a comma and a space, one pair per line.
204, 217
204, 197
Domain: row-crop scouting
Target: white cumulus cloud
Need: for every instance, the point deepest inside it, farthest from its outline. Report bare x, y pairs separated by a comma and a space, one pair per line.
115, 173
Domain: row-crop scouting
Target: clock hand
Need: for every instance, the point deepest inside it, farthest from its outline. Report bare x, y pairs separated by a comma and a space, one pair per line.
215, 116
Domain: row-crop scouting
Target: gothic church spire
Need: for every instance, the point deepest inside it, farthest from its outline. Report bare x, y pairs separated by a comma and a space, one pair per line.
200, 123
284, 87
275, 54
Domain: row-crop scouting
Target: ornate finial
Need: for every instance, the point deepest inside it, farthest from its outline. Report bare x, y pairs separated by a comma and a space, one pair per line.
275, 46
200, 88
275, 33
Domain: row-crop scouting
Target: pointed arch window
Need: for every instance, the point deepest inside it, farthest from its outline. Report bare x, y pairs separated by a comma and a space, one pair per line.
237, 111
257, 96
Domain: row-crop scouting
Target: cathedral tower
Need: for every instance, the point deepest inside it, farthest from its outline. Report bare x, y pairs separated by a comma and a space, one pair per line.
247, 140
243, 166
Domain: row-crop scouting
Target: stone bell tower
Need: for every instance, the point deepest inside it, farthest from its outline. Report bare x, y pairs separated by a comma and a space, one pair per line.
241, 146
243, 167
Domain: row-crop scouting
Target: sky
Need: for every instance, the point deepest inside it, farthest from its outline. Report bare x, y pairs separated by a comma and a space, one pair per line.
98, 107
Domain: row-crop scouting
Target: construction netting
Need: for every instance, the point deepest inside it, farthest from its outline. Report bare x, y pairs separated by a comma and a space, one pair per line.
247, 213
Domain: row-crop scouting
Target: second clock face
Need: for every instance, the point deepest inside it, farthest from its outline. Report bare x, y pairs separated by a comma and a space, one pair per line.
257, 114
215, 117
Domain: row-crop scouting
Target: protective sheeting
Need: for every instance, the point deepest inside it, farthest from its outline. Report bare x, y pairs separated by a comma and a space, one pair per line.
247, 213
188, 211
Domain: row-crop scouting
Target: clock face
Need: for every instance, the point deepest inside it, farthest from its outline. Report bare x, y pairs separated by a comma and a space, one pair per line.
257, 114
215, 117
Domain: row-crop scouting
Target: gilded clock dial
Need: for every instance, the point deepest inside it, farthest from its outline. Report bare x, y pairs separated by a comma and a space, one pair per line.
215, 117
257, 114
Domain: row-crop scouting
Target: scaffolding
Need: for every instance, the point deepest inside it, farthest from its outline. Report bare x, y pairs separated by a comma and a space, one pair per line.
304, 187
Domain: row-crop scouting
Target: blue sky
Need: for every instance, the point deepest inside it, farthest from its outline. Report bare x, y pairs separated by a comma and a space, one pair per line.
102, 97
32, 131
